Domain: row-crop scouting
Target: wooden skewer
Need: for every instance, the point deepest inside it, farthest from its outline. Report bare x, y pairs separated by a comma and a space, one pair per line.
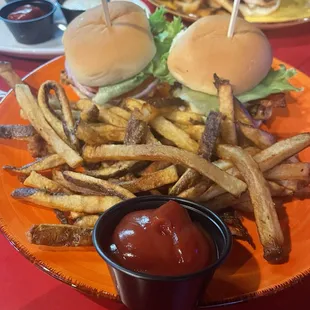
106, 13
233, 18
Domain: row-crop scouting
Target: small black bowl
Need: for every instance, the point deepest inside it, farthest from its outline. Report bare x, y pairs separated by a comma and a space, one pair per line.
69, 14
31, 31
139, 291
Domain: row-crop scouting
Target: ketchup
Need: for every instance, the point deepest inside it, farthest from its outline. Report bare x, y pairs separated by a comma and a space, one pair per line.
162, 241
26, 12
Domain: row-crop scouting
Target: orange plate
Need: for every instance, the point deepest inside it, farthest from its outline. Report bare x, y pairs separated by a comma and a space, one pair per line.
244, 275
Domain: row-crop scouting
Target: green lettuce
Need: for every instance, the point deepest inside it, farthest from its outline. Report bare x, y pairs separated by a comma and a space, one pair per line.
276, 81
163, 32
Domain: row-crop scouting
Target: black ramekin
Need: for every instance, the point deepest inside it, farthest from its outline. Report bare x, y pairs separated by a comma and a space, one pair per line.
139, 291
69, 14
31, 31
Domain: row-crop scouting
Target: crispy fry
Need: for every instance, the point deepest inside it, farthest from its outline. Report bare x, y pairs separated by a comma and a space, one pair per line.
37, 147
194, 192
194, 131
267, 221
260, 138
66, 128
37, 180
75, 215
186, 118
121, 112
87, 221
165, 153
61, 216
36, 118
104, 187
155, 166
226, 108
150, 181
107, 132
63, 202
107, 116
175, 134
41, 164
136, 131
17, 132
297, 171
89, 111
60, 235
241, 113
89, 135
9, 75
188, 179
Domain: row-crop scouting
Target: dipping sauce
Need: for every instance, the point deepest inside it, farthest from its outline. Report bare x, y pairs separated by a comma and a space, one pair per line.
161, 241
80, 5
26, 12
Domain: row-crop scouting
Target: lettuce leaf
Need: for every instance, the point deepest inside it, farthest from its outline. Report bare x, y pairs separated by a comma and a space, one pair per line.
276, 81
164, 32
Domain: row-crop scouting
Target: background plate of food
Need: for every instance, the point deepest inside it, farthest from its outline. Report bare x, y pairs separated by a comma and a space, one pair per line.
274, 14
161, 143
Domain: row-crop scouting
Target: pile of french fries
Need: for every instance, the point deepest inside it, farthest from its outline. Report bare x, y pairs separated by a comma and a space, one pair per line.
91, 158
198, 8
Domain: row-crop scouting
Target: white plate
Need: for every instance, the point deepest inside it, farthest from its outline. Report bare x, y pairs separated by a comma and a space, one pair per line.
46, 50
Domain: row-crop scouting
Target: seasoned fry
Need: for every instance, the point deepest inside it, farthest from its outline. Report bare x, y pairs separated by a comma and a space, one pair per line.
174, 134
37, 147
104, 187
37, 180
136, 131
150, 181
186, 118
87, 221
226, 108
165, 153
260, 138
297, 171
9, 75
107, 116
36, 118
188, 179
59, 235
17, 132
61, 216
41, 164
266, 218
194, 131
109, 133
63, 202
118, 169
196, 191
89, 111
155, 166
66, 128
120, 112
89, 135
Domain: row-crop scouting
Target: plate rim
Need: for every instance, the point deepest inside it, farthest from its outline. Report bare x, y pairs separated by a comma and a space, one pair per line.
297, 278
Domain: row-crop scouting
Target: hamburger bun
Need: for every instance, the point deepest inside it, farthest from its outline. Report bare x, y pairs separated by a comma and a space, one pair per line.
99, 56
263, 8
204, 50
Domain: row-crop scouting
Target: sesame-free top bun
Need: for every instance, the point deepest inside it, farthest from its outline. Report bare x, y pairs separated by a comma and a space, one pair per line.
99, 56
204, 49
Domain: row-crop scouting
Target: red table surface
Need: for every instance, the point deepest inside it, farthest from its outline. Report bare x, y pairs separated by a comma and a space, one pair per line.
23, 287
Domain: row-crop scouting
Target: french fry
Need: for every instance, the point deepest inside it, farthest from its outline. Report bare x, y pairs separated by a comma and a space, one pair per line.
197, 190
260, 138
136, 131
17, 132
120, 112
37, 147
9, 75
297, 171
108, 117
194, 131
61, 216
59, 235
97, 185
186, 118
36, 118
150, 181
107, 132
268, 226
89, 111
63, 202
88, 221
226, 108
241, 114
38, 181
89, 135
41, 164
175, 134
155, 166
165, 153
